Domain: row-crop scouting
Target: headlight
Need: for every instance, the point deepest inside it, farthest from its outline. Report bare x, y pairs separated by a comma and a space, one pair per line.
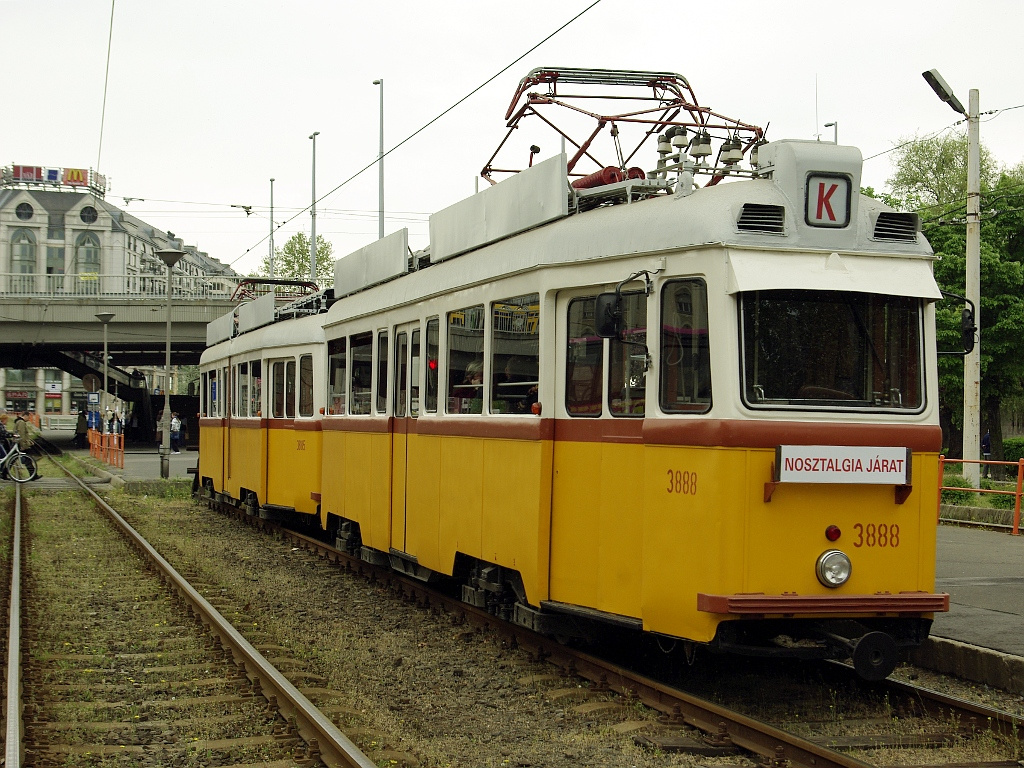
833, 568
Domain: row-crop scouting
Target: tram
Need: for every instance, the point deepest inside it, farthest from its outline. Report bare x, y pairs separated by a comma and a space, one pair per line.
706, 413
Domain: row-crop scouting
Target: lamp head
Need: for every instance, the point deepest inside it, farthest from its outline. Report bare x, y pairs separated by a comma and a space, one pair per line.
379, 82
943, 91
104, 317
170, 256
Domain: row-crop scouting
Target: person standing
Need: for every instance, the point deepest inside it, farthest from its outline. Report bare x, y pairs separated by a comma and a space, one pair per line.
175, 433
986, 453
81, 430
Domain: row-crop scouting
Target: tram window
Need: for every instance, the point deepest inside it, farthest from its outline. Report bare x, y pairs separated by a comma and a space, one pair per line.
278, 390
289, 390
584, 361
306, 385
627, 358
361, 373
685, 354
242, 394
414, 375
466, 360
204, 404
256, 388
214, 395
336, 376
832, 349
515, 353
382, 372
401, 371
433, 327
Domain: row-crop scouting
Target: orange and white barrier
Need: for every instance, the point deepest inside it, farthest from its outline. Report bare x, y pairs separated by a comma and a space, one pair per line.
108, 448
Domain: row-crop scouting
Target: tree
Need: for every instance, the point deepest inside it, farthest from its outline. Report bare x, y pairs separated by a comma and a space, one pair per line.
292, 261
931, 178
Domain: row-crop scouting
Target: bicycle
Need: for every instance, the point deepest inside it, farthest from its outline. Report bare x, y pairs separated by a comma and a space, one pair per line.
15, 464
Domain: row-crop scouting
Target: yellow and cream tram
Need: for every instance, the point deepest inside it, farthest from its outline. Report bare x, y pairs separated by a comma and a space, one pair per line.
706, 413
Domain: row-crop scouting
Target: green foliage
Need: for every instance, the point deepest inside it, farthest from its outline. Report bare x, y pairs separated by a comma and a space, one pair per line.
292, 261
933, 172
996, 500
960, 498
1013, 449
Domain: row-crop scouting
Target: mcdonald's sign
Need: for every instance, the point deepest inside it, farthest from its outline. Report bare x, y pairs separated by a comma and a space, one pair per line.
76, 177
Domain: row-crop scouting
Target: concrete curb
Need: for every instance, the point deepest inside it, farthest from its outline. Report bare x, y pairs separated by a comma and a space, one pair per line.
970, 662
116, 481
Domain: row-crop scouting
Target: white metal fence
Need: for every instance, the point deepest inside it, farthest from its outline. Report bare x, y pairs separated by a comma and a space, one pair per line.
91, 284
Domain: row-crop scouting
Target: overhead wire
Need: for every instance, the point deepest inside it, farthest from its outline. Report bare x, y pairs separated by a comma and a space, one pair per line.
423, 127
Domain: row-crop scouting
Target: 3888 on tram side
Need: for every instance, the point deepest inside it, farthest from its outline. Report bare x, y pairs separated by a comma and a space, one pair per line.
706, 413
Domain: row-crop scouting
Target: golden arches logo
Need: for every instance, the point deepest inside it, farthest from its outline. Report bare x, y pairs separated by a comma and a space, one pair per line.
76, 176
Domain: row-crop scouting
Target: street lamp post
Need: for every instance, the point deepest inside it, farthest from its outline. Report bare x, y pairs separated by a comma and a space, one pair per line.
380, 165
972, 360
271, 228
105, 318
312, 230
170, 257
835, 131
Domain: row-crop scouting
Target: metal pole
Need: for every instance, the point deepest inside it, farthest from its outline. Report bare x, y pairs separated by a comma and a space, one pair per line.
271, 228
105, 318
312, 231
972, 362
169, 257
380, 165
835, 131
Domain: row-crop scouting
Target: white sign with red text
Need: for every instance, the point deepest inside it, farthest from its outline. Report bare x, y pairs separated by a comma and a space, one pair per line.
863, 465
828, 200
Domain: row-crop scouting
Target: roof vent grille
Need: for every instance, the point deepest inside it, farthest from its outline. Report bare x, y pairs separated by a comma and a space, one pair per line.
896, 226
757, 217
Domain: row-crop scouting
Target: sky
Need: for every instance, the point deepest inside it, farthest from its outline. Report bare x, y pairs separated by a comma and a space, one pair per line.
207, 100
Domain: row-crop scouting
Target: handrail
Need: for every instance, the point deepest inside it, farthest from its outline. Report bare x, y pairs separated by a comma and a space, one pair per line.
94, 284
943, 461
107, 447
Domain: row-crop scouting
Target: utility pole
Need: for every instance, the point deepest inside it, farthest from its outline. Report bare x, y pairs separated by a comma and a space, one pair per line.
972, 360
312, 231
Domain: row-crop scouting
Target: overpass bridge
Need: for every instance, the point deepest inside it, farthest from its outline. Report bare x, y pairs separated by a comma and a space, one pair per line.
50, 321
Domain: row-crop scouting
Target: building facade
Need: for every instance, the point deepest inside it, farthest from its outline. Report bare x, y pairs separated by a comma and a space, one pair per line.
60, 239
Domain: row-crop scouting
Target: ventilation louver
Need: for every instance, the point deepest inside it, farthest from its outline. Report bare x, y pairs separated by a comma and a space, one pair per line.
756, 217
896, 226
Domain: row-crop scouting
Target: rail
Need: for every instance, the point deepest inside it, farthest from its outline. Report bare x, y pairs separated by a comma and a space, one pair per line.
15, 285
47, 421
943, 461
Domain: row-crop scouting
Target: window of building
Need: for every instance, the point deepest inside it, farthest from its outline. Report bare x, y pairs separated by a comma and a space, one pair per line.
685, 385
361, 373
382, 372
23, 252
466, 360
336, 376
515, 353
306, 385
87, 253
88, 215
432, 364
24, 211
55, 226
584, 361
627, 359
55, 259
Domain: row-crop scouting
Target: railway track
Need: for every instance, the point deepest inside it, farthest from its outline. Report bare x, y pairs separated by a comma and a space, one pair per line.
894, 723
125, 663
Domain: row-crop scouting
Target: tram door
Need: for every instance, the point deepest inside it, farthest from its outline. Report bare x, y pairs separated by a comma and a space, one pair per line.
405, 409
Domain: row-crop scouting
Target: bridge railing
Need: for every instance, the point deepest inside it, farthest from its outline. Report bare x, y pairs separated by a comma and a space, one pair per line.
95, 285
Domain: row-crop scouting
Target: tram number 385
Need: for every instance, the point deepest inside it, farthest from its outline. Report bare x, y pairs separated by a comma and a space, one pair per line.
680, 481
880, 535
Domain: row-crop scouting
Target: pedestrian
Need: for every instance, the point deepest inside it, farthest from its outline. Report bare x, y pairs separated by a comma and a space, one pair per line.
175, 433
81, 431
986, 452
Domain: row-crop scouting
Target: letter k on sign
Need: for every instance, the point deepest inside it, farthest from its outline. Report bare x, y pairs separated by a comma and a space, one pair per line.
828, 201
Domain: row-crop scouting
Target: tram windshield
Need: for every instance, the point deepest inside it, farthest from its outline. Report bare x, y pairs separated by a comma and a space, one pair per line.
832, 349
